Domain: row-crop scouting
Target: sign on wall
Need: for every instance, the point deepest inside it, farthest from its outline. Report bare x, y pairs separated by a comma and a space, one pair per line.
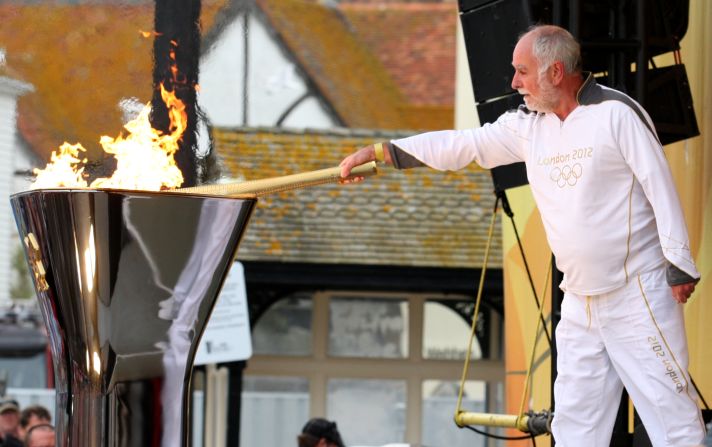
227, 336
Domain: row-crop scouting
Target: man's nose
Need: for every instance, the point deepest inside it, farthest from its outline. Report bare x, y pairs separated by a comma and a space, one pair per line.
515, 82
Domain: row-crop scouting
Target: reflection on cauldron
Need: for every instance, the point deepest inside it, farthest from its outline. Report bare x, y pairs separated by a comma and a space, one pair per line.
129, 281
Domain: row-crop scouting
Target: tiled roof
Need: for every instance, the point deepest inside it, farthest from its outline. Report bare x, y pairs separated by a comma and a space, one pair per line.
415, 42
341, 67
417, 217
346, 70
388, 2
82, 60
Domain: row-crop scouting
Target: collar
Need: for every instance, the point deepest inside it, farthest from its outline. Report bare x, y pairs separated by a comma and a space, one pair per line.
587, 88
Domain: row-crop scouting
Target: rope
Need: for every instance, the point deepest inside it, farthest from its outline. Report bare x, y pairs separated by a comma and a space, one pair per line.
527, 380
477, 307
502, 196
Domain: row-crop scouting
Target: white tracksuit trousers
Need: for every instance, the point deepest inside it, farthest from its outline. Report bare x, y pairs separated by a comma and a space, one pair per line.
632, 337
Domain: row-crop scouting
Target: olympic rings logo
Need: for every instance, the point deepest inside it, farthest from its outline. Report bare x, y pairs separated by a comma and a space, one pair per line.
566, 175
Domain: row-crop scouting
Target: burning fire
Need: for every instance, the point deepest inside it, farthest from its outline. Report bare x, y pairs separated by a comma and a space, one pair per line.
144, 156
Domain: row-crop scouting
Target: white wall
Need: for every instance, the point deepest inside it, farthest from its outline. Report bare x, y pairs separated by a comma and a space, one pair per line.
273, 82
9, 91
23, 163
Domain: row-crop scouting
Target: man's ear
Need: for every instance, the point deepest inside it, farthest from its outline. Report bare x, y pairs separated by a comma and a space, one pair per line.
557, 72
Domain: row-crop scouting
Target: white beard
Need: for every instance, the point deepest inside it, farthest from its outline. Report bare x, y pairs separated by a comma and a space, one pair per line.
548, 97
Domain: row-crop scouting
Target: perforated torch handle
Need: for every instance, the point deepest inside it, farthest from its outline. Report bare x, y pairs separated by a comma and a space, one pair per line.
279, 184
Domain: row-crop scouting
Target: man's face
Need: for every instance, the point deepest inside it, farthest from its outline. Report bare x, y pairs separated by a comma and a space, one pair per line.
42, 438
9, 421
538, 91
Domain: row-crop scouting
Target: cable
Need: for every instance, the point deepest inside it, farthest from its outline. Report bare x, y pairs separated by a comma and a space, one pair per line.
704, 402
503, 438
502, 195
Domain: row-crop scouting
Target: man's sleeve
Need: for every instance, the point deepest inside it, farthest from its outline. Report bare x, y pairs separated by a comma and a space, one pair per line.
645, 156
675, 276
499, 143
402, 159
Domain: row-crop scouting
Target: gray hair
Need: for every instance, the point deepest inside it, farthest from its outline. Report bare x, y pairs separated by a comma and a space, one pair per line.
552, 43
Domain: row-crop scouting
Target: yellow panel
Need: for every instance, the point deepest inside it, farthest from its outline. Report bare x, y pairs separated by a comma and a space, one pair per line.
691, 163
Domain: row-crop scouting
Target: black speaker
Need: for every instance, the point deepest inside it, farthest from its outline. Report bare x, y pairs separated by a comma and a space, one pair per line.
491, 31
608, 32
508, 176
467, 5
707, 415
607, 28
668, 101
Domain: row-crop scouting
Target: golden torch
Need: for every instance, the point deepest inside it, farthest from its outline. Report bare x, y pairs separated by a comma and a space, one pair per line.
279, 184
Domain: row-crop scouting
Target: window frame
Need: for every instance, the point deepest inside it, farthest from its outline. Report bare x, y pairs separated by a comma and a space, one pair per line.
319, 368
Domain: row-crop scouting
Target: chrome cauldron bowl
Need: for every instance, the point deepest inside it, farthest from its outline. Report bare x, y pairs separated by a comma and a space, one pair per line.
126, 281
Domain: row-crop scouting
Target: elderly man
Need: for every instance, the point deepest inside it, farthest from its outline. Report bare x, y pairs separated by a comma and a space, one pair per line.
614, 222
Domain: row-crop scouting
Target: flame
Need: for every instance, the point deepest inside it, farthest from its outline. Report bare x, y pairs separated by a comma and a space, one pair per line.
63, 169
148, 34
174, 64
144, 157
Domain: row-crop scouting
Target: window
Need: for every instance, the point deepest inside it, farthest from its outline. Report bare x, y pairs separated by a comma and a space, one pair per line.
285, 329
365, 327
445, 334
385, 366
25, 372
439, 401
375, 409
274, 410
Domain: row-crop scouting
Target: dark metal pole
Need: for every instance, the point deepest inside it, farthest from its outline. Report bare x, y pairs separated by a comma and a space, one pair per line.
234, 399
176, 52
641, 64
557, 16
557, 297
575, 18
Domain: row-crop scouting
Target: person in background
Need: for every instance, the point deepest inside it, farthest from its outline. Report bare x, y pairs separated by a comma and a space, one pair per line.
41, 435
31, 416
614, 222
318, 432
9, 423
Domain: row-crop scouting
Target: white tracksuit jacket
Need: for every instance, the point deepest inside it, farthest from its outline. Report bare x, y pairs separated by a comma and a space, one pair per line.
600, 180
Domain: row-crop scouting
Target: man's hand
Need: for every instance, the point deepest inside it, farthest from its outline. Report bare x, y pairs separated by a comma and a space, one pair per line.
361, 156
682, 292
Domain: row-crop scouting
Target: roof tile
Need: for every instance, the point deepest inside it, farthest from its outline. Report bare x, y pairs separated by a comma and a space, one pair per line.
410, 218
415, 42
82, 60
